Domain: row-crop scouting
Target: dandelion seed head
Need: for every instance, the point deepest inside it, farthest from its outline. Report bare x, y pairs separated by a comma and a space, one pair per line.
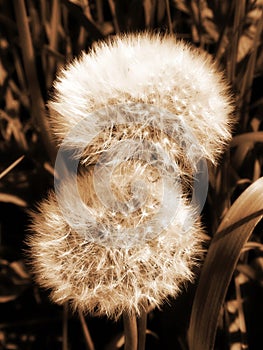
151, 69
102, 280
122, 233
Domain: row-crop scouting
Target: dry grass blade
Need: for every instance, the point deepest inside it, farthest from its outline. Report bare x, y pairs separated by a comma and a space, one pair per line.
9, 198
222, 42
168, 11
114, 16
240, 309
248, 137
220, 263
8, 169
80, 17
247, 80
88, 339
54, 30
99, 8
244, 143
149, 11
239, 16
37, 102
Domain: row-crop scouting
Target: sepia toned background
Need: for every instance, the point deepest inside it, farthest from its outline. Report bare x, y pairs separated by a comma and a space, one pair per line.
39, 37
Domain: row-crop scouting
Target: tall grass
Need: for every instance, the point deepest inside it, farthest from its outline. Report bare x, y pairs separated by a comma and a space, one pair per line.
36, 39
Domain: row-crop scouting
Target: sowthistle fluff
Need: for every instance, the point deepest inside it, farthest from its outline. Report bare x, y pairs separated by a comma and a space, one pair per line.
138, 112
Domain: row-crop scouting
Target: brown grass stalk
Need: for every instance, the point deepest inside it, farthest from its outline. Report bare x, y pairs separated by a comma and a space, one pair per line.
168, 11
37, 103
8, 169
87, 336
246, 84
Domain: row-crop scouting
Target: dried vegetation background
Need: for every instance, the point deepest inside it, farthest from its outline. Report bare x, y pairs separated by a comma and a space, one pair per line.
225, 304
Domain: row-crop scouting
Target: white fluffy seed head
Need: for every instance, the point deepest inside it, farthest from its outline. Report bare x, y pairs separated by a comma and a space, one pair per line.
108, 280
138, 112
150, 69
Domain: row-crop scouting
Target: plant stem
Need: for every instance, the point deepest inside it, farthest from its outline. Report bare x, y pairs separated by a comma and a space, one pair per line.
130, 331
142, 325
8, 169
65, 328
89, 342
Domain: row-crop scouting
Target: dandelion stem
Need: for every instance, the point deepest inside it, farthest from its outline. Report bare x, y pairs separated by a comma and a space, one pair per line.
65, 328
142, 325
130, 331
88, 339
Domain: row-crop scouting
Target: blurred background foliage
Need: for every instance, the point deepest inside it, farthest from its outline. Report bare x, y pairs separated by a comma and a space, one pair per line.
36, 39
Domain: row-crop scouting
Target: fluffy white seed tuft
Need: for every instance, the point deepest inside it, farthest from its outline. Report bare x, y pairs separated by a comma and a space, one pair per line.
104, 280
150, 69
138, 112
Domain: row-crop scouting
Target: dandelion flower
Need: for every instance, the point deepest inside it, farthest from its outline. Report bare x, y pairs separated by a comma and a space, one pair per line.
109, 280
151, 69
122, 233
